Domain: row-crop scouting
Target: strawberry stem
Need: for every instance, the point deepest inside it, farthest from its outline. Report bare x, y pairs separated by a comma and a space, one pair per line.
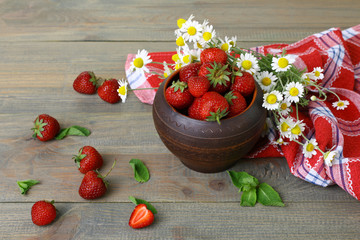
110, 169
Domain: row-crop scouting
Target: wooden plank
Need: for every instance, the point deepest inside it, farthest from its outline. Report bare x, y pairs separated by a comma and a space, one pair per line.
316, 220
155, 21
170, 180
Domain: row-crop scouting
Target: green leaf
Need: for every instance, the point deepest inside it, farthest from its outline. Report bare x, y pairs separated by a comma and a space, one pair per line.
138, 201
248, 198
73, 131
25, 185
141, 173
243, 180
267, 196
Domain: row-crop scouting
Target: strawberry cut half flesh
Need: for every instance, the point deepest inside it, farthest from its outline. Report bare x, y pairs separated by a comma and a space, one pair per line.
141, 217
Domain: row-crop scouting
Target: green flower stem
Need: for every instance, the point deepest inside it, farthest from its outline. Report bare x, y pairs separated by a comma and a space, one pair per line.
297, 111
169, 64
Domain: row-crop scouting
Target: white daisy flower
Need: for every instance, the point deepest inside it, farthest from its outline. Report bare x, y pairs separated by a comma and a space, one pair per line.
233, 41
167, 70
181, 21
282, 64
207, 35
248, 62
318, 73
225, 44
122, 90
341, 104
192, 31
179, 38
294, 91
272, 100
296, 130
309, 148
140, 61
281, 141
185, 56
308, 78
266, 80
285, 108
285, 126
198, 45
329, 157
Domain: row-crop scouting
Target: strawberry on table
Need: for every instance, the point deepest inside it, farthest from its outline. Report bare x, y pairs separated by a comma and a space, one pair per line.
213, 107
188, 71
46, 127
43, 213
88, 159
141, 217
244, 84
178, 95
108, 91
198, 85
237, 103
94, 185
213, 55
86, 83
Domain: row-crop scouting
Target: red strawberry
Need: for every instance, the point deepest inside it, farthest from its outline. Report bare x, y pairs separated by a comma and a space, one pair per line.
194, 109
244, 84
218, 75
213, 107
198, 85
85, 83
93, 185
88, 159
237, 103
141, 217
213, 55
46, 127
188, 71
178, 95
43, 213
108, 91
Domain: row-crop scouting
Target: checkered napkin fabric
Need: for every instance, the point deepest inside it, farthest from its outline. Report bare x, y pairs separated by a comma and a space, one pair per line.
338, 53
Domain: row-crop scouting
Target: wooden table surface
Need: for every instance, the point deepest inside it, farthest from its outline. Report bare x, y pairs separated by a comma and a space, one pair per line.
44, 45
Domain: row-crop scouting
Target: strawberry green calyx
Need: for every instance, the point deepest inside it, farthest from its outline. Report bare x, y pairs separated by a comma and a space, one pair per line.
25, 185
79, 157
38, 128
229, 97
218, 74
179, 85
93, 78
216, 116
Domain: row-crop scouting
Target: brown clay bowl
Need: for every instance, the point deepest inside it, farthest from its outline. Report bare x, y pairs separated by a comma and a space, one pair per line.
207, 146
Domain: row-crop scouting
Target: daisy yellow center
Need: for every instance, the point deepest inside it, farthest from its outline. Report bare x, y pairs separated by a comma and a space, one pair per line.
177, 66
138, 62
225, 47
310, 147
266, 81
199, 45
284, 127
296, 130
191, 31
232, 43
340, 104
180, 22
175, 57
122, 90
165, 74
283, 62
207, 36
271, 98
187, 59
317, 73
180, 41
294, 91
283, 106
246, 64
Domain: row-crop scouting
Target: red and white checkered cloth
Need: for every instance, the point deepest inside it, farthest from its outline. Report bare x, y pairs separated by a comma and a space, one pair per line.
338, 53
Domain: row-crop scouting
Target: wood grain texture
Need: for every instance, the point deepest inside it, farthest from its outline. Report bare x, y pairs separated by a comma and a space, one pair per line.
187, 221
155, 21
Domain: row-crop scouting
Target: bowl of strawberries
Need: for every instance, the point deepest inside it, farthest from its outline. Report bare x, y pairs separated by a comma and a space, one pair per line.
209, 114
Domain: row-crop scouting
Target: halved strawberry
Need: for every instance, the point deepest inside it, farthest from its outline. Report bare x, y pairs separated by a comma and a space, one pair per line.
141, 217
